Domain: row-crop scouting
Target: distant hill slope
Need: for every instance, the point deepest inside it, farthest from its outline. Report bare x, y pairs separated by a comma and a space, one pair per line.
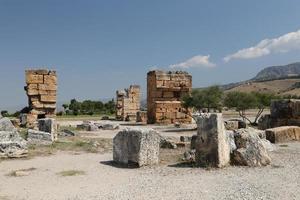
277, 72
282, 80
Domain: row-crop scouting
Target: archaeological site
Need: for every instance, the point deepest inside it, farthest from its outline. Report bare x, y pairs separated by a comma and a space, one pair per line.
164, 93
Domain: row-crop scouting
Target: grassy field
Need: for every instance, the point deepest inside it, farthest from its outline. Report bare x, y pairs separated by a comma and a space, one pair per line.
82, 117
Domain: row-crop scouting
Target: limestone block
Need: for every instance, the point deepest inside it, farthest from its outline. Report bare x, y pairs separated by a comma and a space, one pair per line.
283, 134
34, 78
39, 137
137, 146
212, 144
48, 98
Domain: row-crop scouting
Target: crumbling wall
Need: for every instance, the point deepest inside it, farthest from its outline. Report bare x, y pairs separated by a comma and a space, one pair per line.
164, 93
41, 86
128, 103
284, 112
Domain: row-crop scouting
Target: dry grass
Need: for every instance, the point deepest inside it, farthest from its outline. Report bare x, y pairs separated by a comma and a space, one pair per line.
71, 173
74, 144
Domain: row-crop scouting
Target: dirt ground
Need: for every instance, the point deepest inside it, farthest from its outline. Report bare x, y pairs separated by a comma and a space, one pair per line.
75, 175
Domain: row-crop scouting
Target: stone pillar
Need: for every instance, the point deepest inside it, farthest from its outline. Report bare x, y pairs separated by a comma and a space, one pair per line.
136, 146
212, 143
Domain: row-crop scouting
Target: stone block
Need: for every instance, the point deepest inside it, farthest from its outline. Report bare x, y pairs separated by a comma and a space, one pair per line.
39, 137
48, 98
12, 145
34, 78
212, 144
283, 134
136, 146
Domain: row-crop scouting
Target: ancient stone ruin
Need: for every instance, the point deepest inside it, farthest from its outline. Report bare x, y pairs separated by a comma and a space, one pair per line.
139, 147
41, 86
164, 93
284, 112
128, 103
212, 143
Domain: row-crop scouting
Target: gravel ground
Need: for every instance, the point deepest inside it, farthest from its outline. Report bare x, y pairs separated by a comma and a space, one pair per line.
101, 180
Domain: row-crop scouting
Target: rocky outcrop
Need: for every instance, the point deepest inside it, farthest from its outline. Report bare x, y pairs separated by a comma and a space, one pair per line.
136, 146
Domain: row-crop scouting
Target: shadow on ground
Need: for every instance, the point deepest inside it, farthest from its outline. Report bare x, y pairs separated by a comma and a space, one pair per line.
112, 163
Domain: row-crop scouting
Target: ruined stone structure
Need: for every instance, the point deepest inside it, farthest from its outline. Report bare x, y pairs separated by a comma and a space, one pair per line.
284, 112
128, 103
164, 93
41, 91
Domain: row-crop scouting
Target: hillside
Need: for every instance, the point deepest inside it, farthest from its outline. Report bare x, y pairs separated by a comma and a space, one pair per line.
276, 72
282, 87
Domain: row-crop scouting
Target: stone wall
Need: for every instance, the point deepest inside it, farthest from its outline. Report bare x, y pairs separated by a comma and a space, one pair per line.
41, 86
128, 103
164, 92
284, 112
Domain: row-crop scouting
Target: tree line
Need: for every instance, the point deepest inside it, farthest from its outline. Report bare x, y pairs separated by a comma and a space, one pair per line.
213, 98
88, 107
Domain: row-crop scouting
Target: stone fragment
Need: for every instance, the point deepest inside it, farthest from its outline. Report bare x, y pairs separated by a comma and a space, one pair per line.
283, 134
212, 144
137, 146
92, 127
6, 125
231, 140
12, 145
39, 137
193, 141
167, 143
66, 133
189, 155
109, 126
231, 125
251, 151
185, 138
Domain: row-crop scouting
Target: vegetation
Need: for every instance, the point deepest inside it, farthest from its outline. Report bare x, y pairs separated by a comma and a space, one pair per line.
89, 107
242, 101
208, 98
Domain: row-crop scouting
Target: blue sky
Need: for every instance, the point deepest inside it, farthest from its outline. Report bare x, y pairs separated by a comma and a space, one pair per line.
100, 46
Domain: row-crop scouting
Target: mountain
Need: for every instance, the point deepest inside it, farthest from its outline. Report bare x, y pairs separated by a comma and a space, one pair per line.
278, 72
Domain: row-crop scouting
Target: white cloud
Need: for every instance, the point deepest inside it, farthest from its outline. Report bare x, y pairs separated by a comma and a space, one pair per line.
282, 44
196, 61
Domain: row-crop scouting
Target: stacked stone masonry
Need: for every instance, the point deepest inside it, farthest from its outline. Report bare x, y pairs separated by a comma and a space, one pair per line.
128, 103
164, 93
284, 112
41, 86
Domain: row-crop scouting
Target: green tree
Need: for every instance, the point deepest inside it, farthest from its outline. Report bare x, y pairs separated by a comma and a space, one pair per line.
4, 113
242, 101
210, 98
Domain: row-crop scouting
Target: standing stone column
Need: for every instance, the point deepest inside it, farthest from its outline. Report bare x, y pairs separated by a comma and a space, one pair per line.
212, 144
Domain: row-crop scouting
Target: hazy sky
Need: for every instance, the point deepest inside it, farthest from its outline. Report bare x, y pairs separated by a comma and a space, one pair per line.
99, 46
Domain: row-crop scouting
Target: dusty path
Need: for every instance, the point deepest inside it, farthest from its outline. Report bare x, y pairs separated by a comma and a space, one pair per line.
281, 180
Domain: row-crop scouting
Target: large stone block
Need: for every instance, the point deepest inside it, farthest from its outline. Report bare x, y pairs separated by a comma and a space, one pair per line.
137, 146
39, 137
212, 144
283, 134
251, 149
48, 125
12, 145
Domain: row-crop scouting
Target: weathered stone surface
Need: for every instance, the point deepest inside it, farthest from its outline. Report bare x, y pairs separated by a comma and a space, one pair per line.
189, 155
47, 125
109, 126
193, 141
41, 86
231, 125
185, 138
231, 140
212, 144
92, 127
67, 133
128, 103
283, 134
6, 125
138, 146
167, 143
12, 145
164, 93
251, 151
39, 137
